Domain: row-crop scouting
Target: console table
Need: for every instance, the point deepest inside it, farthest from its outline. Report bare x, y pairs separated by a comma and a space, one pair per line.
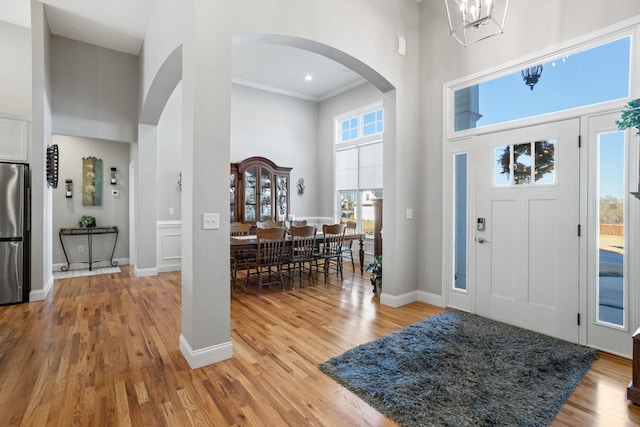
89, 232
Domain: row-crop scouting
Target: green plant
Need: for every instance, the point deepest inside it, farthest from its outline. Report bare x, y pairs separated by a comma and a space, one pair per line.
630, 117
375, 268
87, 221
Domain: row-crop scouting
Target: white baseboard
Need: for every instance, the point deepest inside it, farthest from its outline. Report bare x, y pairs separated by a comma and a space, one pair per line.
83, 266
41, 294
413, 296
205, 356
430, 298
145, 272
396, 301
169, 267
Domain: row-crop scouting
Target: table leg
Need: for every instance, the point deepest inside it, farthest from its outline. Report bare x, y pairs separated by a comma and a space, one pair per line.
111, 261
90, 250
361, 255
64, 251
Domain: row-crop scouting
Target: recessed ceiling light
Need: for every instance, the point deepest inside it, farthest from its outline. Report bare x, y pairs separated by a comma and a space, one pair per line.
308, 77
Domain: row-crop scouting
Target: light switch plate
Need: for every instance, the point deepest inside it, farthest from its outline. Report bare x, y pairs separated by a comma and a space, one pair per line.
409, 214
210, 221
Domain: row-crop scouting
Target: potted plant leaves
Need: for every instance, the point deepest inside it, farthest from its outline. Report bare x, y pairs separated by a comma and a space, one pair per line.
87, 221
630, 118
375, 268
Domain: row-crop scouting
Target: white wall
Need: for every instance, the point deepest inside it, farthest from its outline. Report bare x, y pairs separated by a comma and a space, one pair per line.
114, 209
169, 162
282, 129
531, 26
41, 209
369, 48
15, 74
94, 91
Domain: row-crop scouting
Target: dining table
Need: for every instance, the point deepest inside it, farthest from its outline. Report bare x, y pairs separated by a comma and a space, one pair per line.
250, 242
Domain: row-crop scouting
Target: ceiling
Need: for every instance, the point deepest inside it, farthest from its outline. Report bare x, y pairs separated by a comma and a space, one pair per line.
121, 25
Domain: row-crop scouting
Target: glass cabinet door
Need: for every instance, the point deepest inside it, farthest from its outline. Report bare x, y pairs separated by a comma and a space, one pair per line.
250, 194
282, 197
265, 195
232, 197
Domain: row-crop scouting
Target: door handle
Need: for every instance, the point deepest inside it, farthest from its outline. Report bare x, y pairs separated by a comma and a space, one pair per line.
482, 240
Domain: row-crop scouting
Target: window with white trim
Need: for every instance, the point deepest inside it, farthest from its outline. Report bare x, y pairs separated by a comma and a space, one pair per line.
358, 170
366, 123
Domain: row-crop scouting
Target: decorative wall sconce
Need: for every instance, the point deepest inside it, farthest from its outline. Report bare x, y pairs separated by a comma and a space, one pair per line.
301, 186
473, 20
68, 188
114, 172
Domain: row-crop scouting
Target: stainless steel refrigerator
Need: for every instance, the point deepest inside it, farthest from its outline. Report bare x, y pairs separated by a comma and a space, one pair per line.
14, 232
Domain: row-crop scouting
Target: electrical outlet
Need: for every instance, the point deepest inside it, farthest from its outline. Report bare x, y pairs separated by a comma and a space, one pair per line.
81, 248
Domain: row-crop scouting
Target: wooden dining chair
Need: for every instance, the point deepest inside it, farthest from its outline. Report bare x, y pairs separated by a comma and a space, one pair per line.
241, 259
268, 224
301, 252
347, 246
333, 239
269, 257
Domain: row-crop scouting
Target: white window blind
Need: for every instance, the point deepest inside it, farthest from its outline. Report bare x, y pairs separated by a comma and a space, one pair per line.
370, 166
347, 169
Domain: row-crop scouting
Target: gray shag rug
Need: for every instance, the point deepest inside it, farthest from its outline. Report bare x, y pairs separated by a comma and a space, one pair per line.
459, 369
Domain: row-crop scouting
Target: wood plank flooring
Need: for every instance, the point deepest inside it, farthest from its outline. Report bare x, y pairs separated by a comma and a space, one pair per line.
103, 351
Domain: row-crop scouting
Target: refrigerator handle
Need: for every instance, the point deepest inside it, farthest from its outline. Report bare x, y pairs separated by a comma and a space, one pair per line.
28, 208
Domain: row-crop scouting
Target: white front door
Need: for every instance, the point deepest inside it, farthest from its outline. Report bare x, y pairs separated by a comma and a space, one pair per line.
526, 227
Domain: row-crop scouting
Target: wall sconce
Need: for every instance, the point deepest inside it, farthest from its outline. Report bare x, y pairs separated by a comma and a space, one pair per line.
113, 176
69, 188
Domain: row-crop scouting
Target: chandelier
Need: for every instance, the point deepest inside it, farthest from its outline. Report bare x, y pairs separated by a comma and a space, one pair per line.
473, 20
531, 75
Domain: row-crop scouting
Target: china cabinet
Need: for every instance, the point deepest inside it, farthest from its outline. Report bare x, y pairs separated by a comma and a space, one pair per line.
259, 190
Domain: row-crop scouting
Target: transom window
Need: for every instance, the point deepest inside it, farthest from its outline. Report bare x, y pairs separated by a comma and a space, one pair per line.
595, 75
362, 124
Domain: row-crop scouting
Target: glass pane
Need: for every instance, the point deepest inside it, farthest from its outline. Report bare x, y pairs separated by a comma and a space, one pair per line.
265, 195
545, 161
368, 213
349, 129
611, 284
250, 190
502, 166
460, 223
282, 198
369, 118
368, 129
522, 163
348, 205
564, 83
232, 196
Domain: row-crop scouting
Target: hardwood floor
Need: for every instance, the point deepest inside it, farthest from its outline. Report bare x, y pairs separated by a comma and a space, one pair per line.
103, 350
